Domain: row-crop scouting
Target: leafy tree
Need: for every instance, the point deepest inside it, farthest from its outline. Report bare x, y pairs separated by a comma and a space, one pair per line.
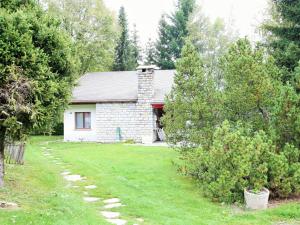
93, 29
124, 57
37, 71
284, 40
150, 53
191, 108
172, 34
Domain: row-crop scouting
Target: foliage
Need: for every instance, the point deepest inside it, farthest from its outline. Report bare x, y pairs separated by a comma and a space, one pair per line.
136, 49
37, 70
234, 161
239, 159
191, 108
249, 88
258, 144
212, 40
125, 52
172, 34
163, 53
150, 53
283, 38
286, 117
92, 28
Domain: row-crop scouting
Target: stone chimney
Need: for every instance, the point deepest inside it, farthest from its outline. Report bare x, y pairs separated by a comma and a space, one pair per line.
145, 98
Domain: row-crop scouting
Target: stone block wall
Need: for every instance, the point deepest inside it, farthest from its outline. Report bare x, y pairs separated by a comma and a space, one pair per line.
143, 107
110, 116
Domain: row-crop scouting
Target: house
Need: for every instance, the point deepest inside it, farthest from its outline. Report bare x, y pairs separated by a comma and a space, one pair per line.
118, 106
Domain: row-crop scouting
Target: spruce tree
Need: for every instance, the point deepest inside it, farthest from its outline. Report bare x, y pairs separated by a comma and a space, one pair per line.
150, 53
123, 51
172, 35
284, 40
192, 107
163, 50
136, 55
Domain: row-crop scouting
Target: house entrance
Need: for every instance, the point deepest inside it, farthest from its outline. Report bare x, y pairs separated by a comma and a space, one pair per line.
158, 111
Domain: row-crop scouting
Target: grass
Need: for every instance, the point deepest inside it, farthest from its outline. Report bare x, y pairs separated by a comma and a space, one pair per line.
144, 178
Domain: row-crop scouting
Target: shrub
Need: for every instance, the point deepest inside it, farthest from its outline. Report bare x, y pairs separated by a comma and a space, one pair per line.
239, 159
234, 162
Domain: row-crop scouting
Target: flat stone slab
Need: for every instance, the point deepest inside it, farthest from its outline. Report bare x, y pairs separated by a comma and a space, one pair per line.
73, 177
110, 215
113, 205
89, 187
91, 199
65, 173
140, 220
116, 221
8, 205
111, 201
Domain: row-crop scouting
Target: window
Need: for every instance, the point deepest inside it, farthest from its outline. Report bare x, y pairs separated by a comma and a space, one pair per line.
83, 120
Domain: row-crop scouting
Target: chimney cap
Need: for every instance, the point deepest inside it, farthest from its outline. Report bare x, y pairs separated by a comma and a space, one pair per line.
147, 67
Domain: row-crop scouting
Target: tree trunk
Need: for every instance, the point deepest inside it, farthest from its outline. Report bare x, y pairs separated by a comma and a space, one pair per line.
2, 143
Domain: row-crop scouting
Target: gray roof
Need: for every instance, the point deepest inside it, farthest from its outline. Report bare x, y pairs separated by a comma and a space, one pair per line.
119, 87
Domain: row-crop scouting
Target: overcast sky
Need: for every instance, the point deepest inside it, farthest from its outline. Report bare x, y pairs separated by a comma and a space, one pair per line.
245, 14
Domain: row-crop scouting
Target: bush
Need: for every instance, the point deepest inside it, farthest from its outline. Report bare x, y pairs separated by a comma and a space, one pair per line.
239, 159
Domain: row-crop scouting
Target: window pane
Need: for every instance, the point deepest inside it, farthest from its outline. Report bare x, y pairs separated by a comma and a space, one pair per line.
87, 120
79, 121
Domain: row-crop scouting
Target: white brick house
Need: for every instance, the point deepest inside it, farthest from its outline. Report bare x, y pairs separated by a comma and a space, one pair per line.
118, 106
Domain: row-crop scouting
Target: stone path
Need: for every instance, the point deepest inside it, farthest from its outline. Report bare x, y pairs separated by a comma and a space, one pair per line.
112, 217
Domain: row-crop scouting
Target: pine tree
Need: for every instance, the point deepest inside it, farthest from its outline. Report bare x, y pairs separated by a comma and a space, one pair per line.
123, 52
150, 53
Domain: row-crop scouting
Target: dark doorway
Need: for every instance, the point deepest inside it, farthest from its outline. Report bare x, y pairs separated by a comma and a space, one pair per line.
158, 129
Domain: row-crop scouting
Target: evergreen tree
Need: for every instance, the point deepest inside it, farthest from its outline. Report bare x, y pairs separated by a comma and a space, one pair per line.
150, 53
179, 25
284, 40
172, 35
163, 50
136, 55
124, 59
191, 108
249, 85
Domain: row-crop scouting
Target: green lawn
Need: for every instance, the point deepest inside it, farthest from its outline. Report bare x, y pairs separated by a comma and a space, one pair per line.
144, 178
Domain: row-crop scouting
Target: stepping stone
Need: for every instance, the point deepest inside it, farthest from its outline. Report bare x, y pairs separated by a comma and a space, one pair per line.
65, 173
110, 215
113, 205
90, 187
116, 221
111, 201
73, 177
140, 220
91, 199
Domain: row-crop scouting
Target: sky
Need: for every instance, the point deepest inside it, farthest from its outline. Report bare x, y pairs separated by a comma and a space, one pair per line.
243, 15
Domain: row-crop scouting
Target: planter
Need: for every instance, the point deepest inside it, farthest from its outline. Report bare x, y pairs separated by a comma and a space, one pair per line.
257, 200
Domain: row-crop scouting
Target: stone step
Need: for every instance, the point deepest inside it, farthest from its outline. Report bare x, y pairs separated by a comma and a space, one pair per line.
117, 221
111, 200
113, 205
110, 215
